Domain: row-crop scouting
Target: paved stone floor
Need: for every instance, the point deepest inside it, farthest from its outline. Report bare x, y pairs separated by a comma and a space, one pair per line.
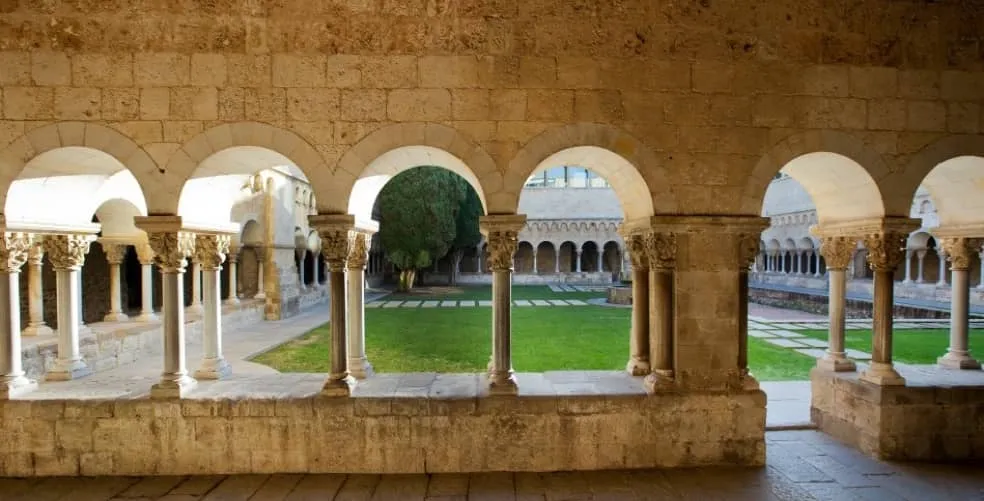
801, 466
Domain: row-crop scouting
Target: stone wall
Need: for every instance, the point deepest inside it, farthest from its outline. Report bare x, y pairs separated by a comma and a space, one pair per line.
584, 278
907, 423
380, 435
817, 303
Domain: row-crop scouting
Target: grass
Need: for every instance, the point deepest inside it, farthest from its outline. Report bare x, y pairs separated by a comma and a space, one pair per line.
480, 292
913, 346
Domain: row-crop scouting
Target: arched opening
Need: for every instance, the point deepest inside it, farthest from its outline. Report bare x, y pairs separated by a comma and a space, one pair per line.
546, 258
568, 257
248, 266
612, 258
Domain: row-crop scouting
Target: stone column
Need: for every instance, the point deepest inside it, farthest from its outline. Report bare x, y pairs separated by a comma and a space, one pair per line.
171, 247
334, 233
115, 253
233, 258
478, 259
795, 255
959, 250
748, 245
196, 290
67, 253
210, 252
837, 252
300, 275
661, 256
535, 269
816, 263
920, 259
260, 260
577, 262
908, 267
601, 254
941, 253
885, 252
502, 233
638, 364
358, 365
980, 257
557, 260
146, 256
36, 325
14, 250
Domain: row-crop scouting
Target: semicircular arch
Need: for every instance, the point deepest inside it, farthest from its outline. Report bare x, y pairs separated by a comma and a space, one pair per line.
951, 169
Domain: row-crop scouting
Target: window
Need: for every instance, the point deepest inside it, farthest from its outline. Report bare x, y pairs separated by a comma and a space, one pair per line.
566, 177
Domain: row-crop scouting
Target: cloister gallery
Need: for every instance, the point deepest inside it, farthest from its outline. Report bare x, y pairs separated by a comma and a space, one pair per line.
142, 142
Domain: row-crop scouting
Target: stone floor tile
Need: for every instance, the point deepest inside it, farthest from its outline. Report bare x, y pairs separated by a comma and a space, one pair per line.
491, 487
792, 466
786, 333
459, 497
48, 489
411, 304
785, 343
197, 485
236, 487
180, 497
816, 343
540, 302
358, 488
401, 488
430, 304
529, 483
153, 487
761, 333
95, 488
522, 302
315, 487
876, 494
558, 302
857, 354
843, 475
449, 304
14, 487
576, 302
485, 302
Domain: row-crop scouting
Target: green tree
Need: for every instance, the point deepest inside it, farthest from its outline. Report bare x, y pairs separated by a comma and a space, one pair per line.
418, 212
467, 233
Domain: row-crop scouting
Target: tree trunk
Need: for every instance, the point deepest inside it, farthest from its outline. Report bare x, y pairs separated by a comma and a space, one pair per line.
406, 280
455, 263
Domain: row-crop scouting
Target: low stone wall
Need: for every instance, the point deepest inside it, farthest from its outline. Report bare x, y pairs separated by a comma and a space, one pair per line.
592, 278
814, 303
380, 435
911, 423
620, 295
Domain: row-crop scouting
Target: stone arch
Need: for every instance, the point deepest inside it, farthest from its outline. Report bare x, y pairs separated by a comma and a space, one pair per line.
840, 172
249, 147
951, 170
631, 168
363, 170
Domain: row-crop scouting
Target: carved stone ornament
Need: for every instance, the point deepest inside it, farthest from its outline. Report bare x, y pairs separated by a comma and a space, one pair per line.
661, 250
67, 252
837, 251
502, 247
885, 250
358, 255
636, 244
748, 249
115, 253
334, 248
233, 255
958, 251
35, 256
172, 249
211, 250
14, 249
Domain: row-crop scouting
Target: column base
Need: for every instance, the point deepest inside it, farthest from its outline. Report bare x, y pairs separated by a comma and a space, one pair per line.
146, 317
15, 386
360, 368
659, 380
338, 387
214, 368
195, 309
116, 317
748, 382
67, 370
637, 367
260, 296
84, 329
233, 301
836, 364
882, 374
173, 388
40, 329
503, 384
958, 361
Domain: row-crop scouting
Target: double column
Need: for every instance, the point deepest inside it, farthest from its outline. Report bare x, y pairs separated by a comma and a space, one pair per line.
210, 253
661, 249
233, 259
837, 252
335, 246
14, 249
638, 364
67, 254
360, 240
502, 234
146, 257
886, 250
36, 325
959, 251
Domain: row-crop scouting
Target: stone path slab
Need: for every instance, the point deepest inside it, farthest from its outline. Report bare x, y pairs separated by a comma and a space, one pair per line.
816, 343
392, 304
411, 304
431, 304
785, 343
811, 352
761, 334
522, 302
577, 302
449, 304
786, 334
485, 302
540, 302
857, 354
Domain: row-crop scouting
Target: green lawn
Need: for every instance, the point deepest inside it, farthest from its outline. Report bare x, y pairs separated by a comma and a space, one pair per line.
484, 292
913, 346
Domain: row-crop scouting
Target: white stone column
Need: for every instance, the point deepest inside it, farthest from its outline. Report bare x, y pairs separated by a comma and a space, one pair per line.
233, 258
196, 290
478, 259
908, 267
115, 253
146, 256
334, 232
358, 365
837, 252
920, 260
578, 261
502, 232
210, 252
171, 247
36, 325
885, 252
638, 364
14, 249
67, 254
535, 252
557, 259
301, 286
958, 355
941, 253
83, 328
260, 259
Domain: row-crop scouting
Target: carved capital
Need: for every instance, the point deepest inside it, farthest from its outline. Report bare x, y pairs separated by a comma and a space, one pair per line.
958, 251
144, 253
661, 248
172, 249
334, 248
748, 249
115, 253
35, 255
837, 251
502, 247
211, 250
233, 255
358, 251
14, 249
636, 245
885, 249
67, 252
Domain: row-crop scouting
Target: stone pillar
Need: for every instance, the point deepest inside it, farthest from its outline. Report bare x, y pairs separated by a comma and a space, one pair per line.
661, 256
908, 267
334, 233
601, 254
233, 258
920, 260
885, 252
196, 290
358, 365
638, 364
210, 253
301, 286
941, 253
959, 250
502, 232
36, 325
557, 259
816, 263
478, 259
577, 262
748, 245
260, 260
14, 250
146, 256
115, 253
795, 256
980, 257
837, 251
535, 269
67, 253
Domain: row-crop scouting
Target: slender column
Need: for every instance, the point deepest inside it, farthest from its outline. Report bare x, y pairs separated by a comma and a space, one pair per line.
578, 261
502, 232
196, 290
67, 253
661, 256
535, 269
816, 263
638, 364
908, 267
233, 258
83, 328
980, 257
795, 256
36, 325
478, 259
837, 252
601, 253
14, 249
260, 260
335, 243
300, 275
885, 252
941, 253
210, 252
958, 355
355, 267
920, 260
557, 259
146, 256
115, 253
